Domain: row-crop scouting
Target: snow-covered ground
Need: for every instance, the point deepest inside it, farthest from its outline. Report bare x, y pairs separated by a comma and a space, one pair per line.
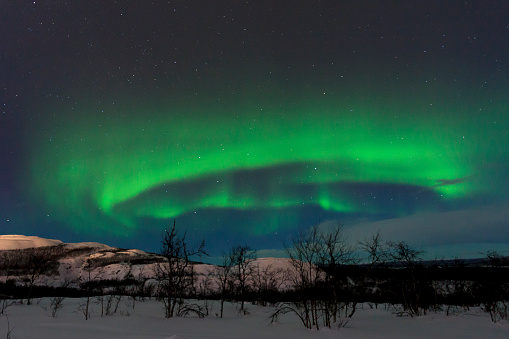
147, 321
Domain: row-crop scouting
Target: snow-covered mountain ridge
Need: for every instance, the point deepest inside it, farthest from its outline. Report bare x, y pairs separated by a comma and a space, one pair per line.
69, 263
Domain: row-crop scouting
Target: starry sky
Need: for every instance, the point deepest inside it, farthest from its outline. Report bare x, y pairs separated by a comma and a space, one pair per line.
248, 121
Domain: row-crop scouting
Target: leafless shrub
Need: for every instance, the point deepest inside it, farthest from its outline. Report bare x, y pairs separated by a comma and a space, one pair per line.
317, 257
176, 276
85, 283
55, 305
109, 303
414, 291
9, 329
291, 307
37, 266
136, 290
5, 304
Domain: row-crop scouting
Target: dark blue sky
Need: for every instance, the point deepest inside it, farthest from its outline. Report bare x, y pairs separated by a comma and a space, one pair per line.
249, 121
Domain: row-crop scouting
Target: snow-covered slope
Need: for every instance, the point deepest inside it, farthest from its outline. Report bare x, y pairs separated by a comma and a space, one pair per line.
15, 241
74, 262
96, 245
70, 261
275, 263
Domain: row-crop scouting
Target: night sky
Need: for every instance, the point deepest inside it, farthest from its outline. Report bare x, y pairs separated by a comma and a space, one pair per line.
248, 121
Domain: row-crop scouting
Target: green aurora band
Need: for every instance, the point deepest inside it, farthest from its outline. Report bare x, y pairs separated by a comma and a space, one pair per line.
164, 161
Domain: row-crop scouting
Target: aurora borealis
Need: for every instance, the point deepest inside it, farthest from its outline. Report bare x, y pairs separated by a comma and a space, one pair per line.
247, 122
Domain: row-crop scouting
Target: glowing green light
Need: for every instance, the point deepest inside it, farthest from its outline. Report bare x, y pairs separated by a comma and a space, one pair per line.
127, 168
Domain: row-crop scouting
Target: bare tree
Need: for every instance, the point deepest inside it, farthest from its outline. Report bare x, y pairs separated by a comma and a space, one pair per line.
336, 252
304, 253
224, 279
136, 289
37, 265
317, 258
268, 281
56, 302
413, 291
176, 274
374, 248
376, 257
85, 282
242, 258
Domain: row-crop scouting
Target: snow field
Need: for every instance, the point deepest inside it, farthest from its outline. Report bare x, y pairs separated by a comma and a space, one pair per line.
147, 320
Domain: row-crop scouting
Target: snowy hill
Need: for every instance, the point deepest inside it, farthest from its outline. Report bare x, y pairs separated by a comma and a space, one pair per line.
14, 241
62, 263
69, 263
17, 242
